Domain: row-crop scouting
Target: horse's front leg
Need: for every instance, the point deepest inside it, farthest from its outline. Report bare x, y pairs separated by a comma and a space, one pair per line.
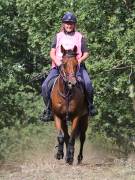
60, 146
71, 144
60, 138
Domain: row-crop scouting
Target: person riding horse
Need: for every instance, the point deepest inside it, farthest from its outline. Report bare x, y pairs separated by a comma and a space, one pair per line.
68, 37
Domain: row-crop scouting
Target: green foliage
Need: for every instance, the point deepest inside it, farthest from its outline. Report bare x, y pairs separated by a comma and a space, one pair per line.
112, 65
27, 29
19, 142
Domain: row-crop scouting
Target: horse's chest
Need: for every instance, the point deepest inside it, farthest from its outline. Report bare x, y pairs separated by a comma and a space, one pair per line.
67, 105
72, 103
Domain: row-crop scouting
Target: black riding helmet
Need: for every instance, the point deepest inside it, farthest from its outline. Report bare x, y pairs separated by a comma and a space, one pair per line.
69, 17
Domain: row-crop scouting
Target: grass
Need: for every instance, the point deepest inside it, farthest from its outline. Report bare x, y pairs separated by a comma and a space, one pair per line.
28, 153
20, 143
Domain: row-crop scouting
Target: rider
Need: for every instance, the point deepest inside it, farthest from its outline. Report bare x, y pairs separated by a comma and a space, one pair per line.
68, 37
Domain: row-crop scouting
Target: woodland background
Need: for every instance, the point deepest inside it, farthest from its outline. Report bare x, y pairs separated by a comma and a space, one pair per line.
27, 28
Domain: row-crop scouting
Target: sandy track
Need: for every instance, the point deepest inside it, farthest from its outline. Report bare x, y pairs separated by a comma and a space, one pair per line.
97, 165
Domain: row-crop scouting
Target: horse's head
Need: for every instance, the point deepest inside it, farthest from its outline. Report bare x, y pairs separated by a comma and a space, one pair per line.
69, 66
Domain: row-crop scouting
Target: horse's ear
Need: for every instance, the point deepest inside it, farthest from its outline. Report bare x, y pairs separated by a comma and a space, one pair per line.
75, 49
62, 50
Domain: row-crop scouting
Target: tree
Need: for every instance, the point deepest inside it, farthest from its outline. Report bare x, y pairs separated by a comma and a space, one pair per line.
27, 30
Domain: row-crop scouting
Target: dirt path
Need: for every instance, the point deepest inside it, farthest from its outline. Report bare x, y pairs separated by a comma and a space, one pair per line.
96, 165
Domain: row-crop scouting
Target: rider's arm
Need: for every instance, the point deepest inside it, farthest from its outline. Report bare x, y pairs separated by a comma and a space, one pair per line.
84, 57
53, 57
53, 52
84, 49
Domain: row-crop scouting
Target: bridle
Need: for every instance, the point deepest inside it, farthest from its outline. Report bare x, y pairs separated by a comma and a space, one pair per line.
66, 77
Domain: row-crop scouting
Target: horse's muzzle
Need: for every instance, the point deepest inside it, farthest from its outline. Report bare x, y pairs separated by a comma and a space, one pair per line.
72, 82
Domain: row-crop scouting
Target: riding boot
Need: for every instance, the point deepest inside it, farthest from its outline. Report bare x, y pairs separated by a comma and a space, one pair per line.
47, 114
91, 107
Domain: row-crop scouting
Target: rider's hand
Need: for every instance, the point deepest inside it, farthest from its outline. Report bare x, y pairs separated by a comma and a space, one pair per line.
79, 61
58, 62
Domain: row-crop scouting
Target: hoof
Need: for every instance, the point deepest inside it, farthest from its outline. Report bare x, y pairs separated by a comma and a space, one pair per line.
59, 156
79, 159
79, 162
69, 161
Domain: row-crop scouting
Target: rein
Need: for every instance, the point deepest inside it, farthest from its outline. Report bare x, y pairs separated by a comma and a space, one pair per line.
66, 81
67, 92
64, 76
64, 95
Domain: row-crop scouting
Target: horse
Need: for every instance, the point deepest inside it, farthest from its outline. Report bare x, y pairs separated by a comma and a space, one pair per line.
69, 103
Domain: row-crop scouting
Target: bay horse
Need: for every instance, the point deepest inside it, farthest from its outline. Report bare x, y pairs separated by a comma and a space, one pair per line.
69, 104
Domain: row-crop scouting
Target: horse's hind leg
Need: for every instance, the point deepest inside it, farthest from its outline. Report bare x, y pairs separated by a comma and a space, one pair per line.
83, 127
66, 135
82, 140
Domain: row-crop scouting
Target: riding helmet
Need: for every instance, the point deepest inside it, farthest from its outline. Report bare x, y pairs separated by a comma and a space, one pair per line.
69, 17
